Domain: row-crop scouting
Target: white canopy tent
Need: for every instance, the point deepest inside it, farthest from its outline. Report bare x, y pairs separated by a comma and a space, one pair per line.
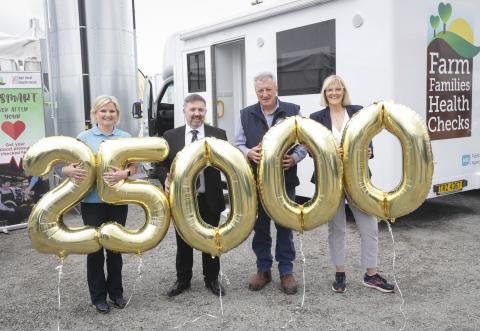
17, 51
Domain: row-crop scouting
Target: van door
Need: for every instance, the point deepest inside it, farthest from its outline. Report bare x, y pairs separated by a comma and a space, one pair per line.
162, 120
228, 73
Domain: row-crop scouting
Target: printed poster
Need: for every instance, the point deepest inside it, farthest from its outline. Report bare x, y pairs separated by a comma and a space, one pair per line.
22, 124
450, 56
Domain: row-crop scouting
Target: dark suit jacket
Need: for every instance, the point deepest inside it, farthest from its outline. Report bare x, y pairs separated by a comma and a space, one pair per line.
323, 117
213, 184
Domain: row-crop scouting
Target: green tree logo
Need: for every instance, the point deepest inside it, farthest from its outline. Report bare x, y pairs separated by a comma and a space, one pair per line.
445, 11
434, 22
458, 35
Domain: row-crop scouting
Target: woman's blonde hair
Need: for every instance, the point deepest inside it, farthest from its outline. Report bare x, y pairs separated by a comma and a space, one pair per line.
101, 101
334, 80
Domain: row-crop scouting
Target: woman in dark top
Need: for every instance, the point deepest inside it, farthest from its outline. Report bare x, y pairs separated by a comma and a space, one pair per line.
338, 111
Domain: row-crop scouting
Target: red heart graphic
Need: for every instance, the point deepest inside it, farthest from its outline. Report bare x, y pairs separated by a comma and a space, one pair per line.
14, 130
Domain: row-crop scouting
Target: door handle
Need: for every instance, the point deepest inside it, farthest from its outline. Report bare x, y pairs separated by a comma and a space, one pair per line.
221, 108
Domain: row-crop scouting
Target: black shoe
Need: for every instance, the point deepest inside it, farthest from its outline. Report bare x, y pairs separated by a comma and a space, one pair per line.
177, 288
119, 303
215, 287
102, 307
340, 284
379, 283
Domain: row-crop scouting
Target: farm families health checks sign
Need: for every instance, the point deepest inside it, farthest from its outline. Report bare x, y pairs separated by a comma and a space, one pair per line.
21, 114
450, 56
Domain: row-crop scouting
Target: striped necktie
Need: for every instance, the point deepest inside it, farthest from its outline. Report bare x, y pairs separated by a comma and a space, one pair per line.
194, 135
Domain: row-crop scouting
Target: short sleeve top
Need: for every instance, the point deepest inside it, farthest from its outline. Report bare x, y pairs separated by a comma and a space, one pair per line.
93, 138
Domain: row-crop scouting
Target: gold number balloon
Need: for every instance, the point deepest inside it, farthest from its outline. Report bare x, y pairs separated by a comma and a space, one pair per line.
417, 173
117, 153
243, 198
328, 170
45, 226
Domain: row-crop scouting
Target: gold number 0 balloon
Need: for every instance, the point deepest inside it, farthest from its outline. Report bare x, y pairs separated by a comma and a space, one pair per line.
407, 126
45, 226
243, 198
117, 153
328, 170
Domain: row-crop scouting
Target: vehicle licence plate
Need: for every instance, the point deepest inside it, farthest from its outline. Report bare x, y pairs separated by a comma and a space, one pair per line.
450, 187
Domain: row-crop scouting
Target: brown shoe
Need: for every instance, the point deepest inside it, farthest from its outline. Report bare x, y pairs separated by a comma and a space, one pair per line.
259, 281
288, 284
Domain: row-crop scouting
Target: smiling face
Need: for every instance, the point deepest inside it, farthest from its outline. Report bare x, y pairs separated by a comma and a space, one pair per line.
195, 113
266, 91
106, 116
334, 94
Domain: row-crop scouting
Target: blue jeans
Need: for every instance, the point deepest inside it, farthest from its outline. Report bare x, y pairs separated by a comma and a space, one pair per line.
262, 243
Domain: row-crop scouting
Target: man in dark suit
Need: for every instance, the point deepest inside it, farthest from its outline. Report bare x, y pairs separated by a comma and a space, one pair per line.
209, 189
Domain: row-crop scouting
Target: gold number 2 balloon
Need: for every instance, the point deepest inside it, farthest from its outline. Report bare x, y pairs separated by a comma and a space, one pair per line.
117, 153
328, 170
243, 198
407, 126
45, 226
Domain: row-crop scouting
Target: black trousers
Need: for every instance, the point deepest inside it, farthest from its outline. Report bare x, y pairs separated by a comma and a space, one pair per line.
184, 261
95, 214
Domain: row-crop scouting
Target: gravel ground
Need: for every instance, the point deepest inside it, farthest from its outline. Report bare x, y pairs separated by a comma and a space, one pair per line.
437, 252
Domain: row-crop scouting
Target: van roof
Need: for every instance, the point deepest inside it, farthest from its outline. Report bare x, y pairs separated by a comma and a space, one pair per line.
254, 14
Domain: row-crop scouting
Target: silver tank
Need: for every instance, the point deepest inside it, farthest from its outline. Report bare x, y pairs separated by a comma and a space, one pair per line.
111, 56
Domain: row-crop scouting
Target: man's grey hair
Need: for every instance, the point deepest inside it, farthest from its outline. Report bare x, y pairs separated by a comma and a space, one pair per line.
265, 75
193, 98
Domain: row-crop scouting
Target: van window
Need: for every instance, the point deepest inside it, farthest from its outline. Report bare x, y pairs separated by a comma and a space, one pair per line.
305, 57
196, 72
168, 95
165, 110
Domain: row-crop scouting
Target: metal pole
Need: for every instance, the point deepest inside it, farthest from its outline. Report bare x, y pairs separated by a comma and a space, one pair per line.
51, 88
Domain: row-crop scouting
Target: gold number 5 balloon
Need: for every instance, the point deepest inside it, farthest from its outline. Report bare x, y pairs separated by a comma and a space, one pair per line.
407, 126
328, 171
117, 153
45, 226
243, 198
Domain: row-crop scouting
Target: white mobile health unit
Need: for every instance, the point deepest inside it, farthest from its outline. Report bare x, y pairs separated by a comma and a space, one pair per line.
422, 54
